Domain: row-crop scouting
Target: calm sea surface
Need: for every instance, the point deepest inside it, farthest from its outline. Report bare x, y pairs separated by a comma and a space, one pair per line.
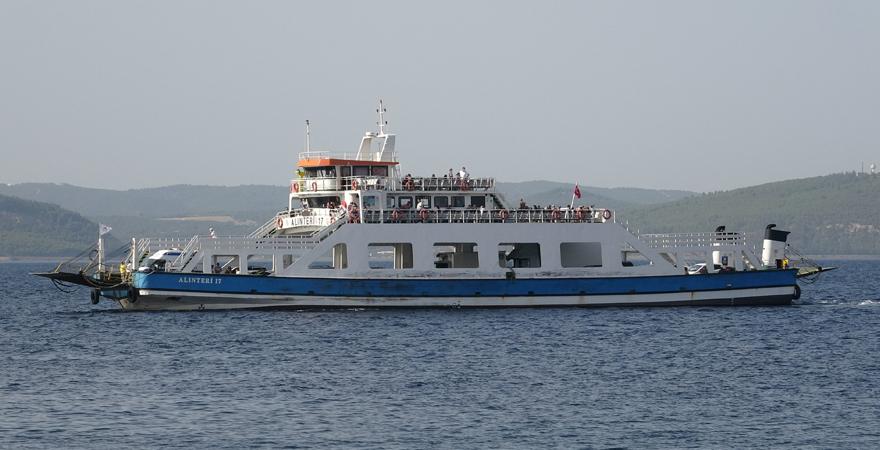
73, 375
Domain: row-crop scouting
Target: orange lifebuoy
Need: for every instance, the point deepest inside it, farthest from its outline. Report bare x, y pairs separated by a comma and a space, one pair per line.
503, 214
554, 214
607, 214
279, 223
424, 214
395, 215
579, 215
294, 187
314, 185
354, 184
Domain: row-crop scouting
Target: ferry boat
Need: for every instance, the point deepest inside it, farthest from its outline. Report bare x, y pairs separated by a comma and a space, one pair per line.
356, 232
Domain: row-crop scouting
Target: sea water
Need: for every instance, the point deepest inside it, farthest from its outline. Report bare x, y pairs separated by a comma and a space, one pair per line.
73, 375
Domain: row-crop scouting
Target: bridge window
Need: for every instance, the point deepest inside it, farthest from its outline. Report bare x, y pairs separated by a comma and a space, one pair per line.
361, 171
390, 255
581, 254
380, 171
456, 255
519, 254
335, 258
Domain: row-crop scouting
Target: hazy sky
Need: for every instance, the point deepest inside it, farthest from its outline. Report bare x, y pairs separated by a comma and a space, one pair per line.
699, 95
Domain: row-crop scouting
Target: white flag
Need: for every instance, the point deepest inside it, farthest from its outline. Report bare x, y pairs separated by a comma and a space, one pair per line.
103, 229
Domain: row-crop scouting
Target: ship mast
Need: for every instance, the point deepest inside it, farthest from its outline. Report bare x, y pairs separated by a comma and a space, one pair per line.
308, 137
382, 122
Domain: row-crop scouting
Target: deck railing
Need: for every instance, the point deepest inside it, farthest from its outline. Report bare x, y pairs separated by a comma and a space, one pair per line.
387, 183
695, 240
481, 216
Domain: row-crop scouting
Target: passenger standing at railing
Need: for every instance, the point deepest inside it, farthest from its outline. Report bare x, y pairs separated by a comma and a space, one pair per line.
522, 204
463, 174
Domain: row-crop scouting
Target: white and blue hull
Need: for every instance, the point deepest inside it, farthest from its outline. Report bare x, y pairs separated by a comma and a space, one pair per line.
169, 291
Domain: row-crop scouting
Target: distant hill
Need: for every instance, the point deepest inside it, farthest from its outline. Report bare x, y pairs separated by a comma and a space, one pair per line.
29, 228
151, 212
168, 201
551, 192
834, 214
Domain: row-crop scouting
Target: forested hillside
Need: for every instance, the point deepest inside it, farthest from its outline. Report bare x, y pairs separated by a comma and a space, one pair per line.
834, 214
29, 228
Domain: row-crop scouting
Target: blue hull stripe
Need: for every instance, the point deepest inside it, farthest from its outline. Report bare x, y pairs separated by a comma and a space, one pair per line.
433, 287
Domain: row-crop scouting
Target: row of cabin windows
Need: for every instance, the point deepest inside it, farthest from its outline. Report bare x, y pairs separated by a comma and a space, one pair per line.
463, 255
346, 171
431, 201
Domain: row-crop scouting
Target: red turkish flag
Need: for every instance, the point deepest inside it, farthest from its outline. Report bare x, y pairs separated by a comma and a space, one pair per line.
577, 191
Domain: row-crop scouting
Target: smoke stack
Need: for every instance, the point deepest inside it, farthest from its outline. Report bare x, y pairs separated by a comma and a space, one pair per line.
774, 246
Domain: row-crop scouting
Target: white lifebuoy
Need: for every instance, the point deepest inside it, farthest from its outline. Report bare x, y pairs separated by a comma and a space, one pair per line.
607, 214
314, 185
354, 185
554, 215
294, 187
503, 214
279, 223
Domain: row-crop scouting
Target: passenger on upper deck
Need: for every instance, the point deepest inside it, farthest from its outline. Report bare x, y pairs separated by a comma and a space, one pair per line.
463, 174
522, 204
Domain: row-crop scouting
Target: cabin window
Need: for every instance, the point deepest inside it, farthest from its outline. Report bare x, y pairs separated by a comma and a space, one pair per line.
224, 264
519, 254
581, 254
380, 171
441, 201
345, 171
458, 201
478, 201
361, 171
369, 201
425, 199
258, 264
632, 258
286, 261
335, 258
390, 202
456, 255
390, 255
405, 202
